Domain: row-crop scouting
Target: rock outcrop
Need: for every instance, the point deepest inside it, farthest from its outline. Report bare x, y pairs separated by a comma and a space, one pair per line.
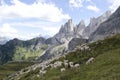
94, 24
76, 42
110, 27
65, 33
59, 42
79, 29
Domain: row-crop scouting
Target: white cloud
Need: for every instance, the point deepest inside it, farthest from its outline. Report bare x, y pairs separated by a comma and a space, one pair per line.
76, 3
6, 28
38, 9
8, 31
114, 4
93, 8
89, 0
49, 28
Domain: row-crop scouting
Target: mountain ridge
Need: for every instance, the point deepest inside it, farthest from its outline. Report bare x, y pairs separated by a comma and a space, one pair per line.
108, 28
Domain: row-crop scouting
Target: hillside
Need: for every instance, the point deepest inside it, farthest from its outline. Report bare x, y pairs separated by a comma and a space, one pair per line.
12, 67
105, 66
15, 50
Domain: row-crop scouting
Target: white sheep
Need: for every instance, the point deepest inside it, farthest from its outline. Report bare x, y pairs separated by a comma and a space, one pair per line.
58, 63
71, 64
65, 61
81, 49
62, 69
38, 75
44, 67
90, 60
42, 72
86, 47
76, 65
66, 65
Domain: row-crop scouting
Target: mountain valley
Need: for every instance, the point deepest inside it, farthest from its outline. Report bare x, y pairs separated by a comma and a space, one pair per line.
75, 53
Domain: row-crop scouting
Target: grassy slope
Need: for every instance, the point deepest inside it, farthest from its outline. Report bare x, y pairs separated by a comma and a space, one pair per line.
23, 53
12, 67
105, 67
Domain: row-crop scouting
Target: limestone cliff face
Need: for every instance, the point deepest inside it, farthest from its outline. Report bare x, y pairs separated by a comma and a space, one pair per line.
79, 29
94, 23
110, 27
65, 33
60, 42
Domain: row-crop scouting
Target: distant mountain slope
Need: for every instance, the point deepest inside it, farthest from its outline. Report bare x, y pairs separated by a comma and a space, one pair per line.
107, 28
22, 50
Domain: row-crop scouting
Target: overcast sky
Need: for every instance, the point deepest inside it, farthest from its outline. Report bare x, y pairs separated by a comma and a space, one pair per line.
25, 19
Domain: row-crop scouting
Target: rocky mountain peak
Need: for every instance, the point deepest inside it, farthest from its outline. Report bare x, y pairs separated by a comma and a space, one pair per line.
70, 21
95, 22
68, 27
108, 28
107, 13
82, 23
92, 19
79, 28
115, 14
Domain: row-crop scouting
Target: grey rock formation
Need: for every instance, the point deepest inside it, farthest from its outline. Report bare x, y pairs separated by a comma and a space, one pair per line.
59, 42
53, 51
68, 28
79, 29
76, 42
65, 34
94, 24
110, 27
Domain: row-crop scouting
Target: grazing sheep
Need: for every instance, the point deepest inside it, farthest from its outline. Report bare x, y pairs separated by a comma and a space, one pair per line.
81, 49
62, 69
64, 56
76, 65
66, 65
71, 64
42, 72
90, 60
52, 66
38, 75
58, 63
65, 61
86, 47
44, 67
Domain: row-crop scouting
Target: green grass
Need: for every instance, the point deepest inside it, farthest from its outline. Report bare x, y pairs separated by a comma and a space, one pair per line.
12, 67
105, 67
22, 53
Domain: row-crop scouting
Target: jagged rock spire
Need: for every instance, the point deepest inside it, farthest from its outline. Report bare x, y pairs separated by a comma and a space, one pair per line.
68, 27
79, 28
